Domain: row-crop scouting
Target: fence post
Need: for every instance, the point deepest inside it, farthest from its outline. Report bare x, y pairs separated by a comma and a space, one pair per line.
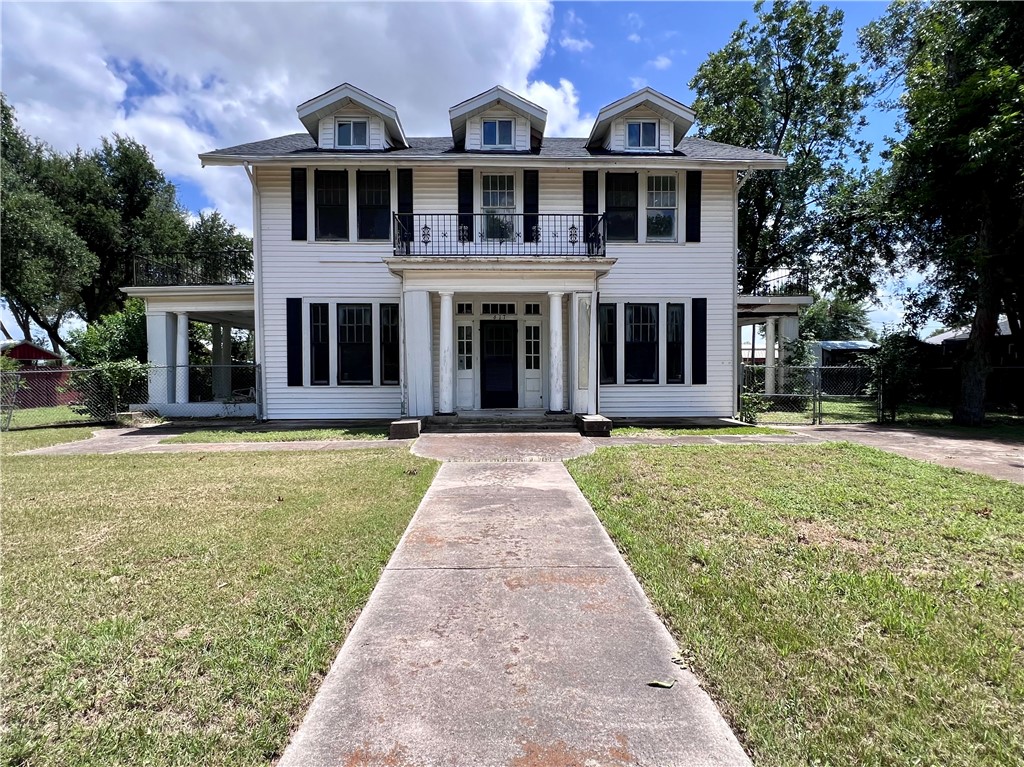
816, 397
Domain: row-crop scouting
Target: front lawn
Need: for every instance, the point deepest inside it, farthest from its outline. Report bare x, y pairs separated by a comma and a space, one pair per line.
717, 431
30, 439
844, 605
250, 434
181, 609
24, 418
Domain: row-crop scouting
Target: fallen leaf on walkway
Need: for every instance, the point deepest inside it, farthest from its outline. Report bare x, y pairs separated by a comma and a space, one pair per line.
666, 685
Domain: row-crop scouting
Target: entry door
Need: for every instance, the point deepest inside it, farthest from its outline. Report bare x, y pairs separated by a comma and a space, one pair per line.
499, 374
532, 379
464, 366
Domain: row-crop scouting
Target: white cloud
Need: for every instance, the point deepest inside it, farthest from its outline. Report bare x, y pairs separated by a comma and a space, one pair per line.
638, 82
221, 74
661, 62
633, 37
635, 24
573, 37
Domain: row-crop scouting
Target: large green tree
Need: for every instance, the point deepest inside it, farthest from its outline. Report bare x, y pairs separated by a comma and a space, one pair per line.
782, 85
956, 74
835, 318
75, 225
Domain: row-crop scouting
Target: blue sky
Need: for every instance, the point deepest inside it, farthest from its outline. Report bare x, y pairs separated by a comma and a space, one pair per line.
187, 77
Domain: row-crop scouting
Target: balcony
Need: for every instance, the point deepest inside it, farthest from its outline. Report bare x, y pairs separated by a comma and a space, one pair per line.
221, 268
499, 234
794, 283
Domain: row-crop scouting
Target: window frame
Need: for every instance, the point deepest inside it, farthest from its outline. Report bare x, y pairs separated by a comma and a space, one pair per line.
641, 147
351, 122
677, 347
609, 208
342, 206
389, 347
497, 132
607, 345
319, 340
367, 309
635, 346
366, 174
648, 207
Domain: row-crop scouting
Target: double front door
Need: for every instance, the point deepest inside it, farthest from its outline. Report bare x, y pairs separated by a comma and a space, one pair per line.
498, 364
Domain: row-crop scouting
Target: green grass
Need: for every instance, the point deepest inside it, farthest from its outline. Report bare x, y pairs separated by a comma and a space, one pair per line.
46, 416
249, 434
644, 431
30, 439
180, 609
833, 410
845, 605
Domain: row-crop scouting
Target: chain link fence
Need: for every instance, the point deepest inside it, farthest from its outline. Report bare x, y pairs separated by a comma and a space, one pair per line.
808, 395
51, 396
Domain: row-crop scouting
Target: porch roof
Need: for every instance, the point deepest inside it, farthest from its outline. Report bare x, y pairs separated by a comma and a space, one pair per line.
219, 304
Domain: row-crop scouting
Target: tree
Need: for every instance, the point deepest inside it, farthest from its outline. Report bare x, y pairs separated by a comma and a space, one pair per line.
782, 85
957, 177
74, 224
835, 319
115, 337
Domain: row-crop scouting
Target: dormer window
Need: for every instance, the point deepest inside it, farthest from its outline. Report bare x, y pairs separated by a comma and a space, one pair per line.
642, 134
352, 134
498, 134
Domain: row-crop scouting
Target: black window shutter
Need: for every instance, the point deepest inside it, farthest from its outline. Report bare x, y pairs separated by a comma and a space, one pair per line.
466, 204
531, 205
693, 182
293, 342
405, 203
298, 203
590, 210
700, 341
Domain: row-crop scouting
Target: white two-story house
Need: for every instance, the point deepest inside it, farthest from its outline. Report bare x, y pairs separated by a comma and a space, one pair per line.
494, 268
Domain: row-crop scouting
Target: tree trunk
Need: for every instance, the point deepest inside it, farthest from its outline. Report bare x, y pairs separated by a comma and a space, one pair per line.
975, 366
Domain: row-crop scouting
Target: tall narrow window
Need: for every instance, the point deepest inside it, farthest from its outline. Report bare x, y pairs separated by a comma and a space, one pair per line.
532, 347
661, 208
319, 345
498, 133
499, 203
355, 344
621, 206
373, 198
675, 346
389, 349
642, 135
331, 193
641, 352
351, 134
464, 339
606, 339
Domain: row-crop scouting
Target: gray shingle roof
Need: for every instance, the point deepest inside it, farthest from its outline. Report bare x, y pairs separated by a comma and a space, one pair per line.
300, 144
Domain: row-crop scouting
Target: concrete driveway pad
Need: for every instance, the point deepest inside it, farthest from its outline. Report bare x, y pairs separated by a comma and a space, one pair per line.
507, 631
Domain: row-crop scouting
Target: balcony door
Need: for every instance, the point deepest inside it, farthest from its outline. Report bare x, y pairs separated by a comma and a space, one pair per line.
499, 373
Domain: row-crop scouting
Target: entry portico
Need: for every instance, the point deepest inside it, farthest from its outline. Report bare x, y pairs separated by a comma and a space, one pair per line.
504, 335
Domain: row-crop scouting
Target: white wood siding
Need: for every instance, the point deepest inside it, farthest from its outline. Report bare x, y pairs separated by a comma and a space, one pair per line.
376, 133
561, 191
656, 272
520, 129
315, 271
616, 138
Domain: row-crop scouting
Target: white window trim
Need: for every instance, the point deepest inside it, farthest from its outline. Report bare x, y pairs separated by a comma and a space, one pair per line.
620, 341
485, 145
639, 121
332, 337
351, 120
642, 207
353, 206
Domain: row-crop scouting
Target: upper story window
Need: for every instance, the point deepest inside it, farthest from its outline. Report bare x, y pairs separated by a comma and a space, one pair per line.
352, 134
642, 134
373, 195
498, 133
499, 203
621, 206
661, 208
331, 200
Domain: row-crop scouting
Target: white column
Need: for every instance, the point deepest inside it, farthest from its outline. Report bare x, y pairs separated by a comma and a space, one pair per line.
595, 362
419, 371
159, 350
769, 356
181, 360
556, 397
446, 366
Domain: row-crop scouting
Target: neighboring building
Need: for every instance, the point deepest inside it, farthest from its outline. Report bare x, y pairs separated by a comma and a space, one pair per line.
1004, 351
840, 353
490, 269
28, 354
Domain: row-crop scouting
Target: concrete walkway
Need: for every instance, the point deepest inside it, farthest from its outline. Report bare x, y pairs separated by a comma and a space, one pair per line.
508, 631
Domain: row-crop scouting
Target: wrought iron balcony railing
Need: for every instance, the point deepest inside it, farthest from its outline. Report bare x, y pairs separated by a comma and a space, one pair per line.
221, 268
795, 283
499, 234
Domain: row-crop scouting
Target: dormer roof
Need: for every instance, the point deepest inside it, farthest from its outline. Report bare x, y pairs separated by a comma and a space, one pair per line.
498, 95
682, 116
326, 104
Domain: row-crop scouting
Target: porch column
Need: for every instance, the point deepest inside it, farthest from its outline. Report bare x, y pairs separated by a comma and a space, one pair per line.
446, 367
769, 356
181, 360
159, 348
417, 338
556, 397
